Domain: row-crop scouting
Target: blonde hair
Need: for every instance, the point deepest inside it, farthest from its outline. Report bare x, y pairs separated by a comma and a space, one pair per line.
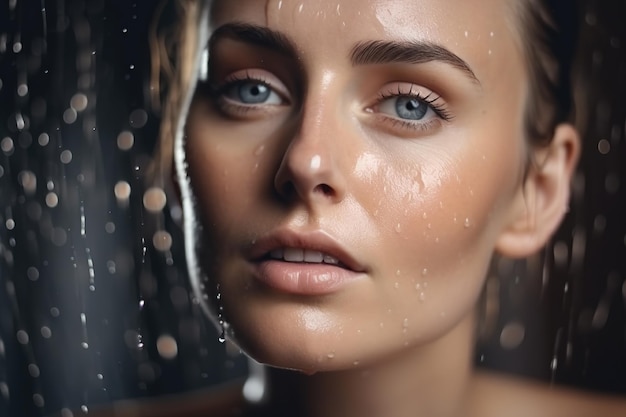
173, 55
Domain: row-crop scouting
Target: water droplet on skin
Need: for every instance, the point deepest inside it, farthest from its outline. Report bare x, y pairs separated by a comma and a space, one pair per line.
422, 296
301, 8
355, 363
330, 355
424, 272
418, 286
259, 151
466, 33
396, 285
398, 228
467, 223
405, 323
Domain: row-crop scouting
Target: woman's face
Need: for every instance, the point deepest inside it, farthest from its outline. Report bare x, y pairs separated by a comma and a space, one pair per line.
354, 163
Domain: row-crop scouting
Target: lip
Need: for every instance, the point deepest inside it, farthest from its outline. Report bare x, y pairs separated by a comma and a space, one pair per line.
300, 277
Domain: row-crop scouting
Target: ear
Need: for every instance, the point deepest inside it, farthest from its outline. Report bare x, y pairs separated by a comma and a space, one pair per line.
543, 199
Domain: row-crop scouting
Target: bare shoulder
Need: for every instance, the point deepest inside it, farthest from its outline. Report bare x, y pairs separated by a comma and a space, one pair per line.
223, 401
502, 396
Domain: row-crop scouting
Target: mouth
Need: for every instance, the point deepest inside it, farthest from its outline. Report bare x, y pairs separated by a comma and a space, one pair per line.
299, 255
303, 263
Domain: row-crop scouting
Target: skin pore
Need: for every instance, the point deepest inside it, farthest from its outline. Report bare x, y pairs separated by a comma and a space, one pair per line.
387, 136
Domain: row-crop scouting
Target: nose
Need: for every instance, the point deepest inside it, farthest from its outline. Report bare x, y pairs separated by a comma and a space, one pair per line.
312, 167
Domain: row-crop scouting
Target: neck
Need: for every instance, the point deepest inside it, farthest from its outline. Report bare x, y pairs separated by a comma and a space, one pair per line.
430, 380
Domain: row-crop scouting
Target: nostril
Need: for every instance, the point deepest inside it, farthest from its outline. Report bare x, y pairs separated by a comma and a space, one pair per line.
324, 189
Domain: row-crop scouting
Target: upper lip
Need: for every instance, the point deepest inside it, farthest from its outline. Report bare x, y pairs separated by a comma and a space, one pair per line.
317, 240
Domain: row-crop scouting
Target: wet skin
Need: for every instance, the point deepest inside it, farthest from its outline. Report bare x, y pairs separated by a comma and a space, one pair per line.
313, 132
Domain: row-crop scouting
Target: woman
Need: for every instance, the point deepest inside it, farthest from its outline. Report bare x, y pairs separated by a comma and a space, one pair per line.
347, 171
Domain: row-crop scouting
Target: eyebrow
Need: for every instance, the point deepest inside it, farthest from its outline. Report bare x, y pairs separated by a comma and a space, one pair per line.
409, 52
255, 35
363, 53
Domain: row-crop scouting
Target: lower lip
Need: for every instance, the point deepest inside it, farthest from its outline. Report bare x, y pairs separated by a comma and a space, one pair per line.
303, 278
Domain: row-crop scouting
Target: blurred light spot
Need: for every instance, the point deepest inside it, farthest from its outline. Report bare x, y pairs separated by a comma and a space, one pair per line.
154, 199
4, 390
122, 191
17, 47
600, 316
604, 146
10, 224
25, 139
561, 252
55, 312
79, 102
28, 181
32, 273
162, 241
59, 236
46, 333
43, 139
147, 372
138, 118
177, 213
66, 412
52, 200
70, 116
132, 338
125, 140
167, 346
22, 337
38, 107
591, 19
66, 156
6, 145
512, 335
1, 171
612, 183
109, 227
22, 90
33, 370
179, 297
599, 224
111, 267
38, 400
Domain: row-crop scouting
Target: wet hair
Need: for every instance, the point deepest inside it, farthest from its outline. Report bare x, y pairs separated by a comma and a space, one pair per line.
549, 35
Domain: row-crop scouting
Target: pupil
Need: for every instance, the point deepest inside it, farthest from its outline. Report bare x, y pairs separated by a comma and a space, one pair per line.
412, 105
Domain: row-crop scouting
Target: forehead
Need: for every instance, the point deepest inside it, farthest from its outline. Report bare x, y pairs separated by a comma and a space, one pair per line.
482, 32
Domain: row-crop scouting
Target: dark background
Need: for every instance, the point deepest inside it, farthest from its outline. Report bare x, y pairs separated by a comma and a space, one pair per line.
85, 297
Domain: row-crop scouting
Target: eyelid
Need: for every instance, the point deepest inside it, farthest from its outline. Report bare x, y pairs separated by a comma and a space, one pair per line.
406, 127
253, 74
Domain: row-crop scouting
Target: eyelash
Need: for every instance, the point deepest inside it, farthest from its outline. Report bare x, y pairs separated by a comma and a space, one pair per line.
218, 94
431, 100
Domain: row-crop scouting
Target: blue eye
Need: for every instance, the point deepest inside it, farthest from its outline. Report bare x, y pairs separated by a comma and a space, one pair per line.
406, 107
252, 92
